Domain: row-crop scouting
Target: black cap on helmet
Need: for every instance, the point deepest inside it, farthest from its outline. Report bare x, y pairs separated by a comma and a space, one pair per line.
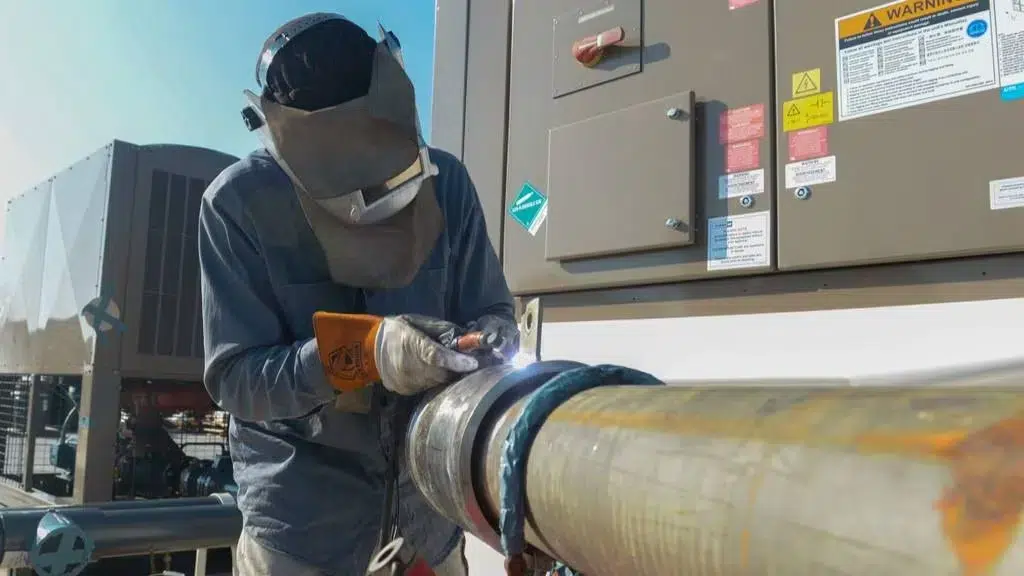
325, 65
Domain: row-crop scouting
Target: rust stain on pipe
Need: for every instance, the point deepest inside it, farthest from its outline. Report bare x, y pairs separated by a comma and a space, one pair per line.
980, 512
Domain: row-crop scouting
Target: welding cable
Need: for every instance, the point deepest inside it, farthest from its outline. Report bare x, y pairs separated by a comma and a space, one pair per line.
522, 433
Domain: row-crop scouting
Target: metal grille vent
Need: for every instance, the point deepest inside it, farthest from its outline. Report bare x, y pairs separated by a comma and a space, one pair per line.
170, 323
13, 426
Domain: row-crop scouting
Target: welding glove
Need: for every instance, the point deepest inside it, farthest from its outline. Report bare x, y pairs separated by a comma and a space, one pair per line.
401, 352
506, 330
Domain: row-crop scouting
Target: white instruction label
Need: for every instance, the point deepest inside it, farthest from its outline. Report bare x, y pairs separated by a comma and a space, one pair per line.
741, 184
811, 172
913, 52
1009, 16
1008, 193
739, 241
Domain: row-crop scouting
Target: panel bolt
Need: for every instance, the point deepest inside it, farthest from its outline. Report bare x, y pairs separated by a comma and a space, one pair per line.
674, 223
746, 201
802, 193
673, 113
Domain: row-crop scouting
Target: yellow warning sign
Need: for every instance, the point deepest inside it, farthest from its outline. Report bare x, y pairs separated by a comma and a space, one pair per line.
807, 112
806, 83
893, 14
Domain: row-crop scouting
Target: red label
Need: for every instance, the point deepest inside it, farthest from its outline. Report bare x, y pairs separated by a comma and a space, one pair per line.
809, 143
734, 4
741, 124
740, 156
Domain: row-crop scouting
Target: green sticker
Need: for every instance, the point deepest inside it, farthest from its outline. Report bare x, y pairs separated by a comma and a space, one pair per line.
529, 209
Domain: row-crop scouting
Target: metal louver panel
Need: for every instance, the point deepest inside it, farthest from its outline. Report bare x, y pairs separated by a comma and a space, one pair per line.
170, 297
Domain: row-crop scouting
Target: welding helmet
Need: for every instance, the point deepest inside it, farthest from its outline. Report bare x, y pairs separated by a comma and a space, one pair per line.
361, 168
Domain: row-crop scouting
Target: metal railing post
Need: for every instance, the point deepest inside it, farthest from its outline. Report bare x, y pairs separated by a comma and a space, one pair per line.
29, 449
201, 555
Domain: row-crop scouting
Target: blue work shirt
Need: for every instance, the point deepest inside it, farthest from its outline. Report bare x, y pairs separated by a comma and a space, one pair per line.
310, 477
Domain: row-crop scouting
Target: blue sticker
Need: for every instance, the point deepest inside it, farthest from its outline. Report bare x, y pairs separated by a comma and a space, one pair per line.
1012, 92
529, 209
977, 28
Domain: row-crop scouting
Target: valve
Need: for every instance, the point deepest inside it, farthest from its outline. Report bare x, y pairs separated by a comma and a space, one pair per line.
590, 50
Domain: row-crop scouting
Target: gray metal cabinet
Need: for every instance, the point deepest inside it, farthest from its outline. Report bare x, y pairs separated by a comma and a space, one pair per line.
118, 226
918, 152
619, 172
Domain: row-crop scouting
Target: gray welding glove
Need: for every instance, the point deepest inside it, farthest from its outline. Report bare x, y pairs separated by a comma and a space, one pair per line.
410, 357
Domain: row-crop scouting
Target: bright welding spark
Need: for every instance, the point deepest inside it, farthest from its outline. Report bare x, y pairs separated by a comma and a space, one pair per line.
522, 360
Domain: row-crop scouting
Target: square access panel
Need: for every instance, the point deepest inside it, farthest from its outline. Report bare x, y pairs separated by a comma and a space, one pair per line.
900, 131
617, 171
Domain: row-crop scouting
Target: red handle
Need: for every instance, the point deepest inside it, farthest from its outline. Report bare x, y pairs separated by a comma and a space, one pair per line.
589, 50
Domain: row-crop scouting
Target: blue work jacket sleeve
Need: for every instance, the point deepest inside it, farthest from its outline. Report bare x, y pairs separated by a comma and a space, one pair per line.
480, 286
252, 370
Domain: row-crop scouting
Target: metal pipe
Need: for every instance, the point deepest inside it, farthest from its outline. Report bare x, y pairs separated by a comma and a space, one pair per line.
129, 527
745, 481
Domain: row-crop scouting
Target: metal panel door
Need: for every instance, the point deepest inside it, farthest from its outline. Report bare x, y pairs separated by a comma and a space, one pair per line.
614, 174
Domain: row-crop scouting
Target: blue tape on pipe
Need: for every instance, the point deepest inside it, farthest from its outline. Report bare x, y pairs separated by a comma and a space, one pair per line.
524, 430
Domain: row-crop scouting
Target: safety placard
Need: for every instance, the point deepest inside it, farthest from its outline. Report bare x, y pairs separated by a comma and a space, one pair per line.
913, 52
808, 112
739, 241
807, 83
1009, 16
739, 124
811, 172
747, 183
734, 4
809, 143
530, 208
1007, 193
740, 156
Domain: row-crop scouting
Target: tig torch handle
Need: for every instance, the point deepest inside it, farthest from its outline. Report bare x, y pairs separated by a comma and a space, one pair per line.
473, 341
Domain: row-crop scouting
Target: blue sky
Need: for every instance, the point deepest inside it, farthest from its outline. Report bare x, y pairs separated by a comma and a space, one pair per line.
79, 74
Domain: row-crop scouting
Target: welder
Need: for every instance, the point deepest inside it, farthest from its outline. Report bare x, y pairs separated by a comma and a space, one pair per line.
346, 216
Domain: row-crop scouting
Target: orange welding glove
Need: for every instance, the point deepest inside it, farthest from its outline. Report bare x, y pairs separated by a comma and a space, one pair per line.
401, 352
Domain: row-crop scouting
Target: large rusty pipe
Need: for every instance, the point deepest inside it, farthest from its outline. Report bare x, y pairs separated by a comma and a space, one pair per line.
801, 481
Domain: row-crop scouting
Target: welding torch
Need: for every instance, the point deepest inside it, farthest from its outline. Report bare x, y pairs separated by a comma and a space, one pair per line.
478, 341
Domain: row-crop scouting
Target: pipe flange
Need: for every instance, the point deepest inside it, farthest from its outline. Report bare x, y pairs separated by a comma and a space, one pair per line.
448, 435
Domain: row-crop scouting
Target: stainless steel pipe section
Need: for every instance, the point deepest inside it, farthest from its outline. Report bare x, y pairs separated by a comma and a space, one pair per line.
127, 528
446, 439
804, 481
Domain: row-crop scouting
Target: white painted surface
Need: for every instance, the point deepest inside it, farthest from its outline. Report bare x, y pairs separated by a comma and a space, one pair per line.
860, 344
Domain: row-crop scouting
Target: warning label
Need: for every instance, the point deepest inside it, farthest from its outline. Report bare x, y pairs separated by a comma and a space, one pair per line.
806, 83
741, 156
807, 112
741, 184
734, 4
809, 143
739, 124
913, 52
1009, 15
742, 241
